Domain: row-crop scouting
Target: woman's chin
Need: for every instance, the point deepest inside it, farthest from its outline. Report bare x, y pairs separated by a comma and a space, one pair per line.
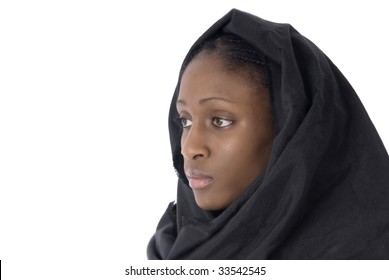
205, 204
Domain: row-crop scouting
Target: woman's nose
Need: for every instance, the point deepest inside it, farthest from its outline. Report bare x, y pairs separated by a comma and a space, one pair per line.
193, 144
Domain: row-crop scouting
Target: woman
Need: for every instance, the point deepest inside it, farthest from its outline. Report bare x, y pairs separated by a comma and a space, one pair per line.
275, 154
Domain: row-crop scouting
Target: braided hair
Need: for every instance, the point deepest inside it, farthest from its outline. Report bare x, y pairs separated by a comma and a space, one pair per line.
238, 56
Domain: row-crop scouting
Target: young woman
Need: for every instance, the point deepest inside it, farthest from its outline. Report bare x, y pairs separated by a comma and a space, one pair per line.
275, 154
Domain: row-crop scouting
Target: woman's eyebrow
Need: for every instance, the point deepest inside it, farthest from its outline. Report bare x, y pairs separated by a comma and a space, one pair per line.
205, 100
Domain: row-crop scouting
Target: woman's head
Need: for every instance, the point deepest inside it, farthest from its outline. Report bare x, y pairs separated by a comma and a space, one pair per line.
225, 109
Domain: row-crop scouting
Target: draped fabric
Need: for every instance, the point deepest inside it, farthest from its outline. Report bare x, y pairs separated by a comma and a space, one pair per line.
325, 191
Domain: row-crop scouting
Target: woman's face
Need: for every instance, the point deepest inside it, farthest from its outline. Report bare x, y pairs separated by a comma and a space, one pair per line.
227, 131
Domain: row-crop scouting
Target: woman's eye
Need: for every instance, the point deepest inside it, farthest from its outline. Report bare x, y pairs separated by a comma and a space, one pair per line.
185, 122
220, 122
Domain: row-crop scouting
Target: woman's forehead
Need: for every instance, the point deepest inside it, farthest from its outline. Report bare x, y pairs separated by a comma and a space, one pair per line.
207, 78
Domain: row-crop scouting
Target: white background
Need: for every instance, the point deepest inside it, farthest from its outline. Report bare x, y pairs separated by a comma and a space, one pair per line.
85, 88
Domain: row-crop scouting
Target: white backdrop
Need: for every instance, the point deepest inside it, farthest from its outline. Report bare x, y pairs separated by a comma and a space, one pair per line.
85, 88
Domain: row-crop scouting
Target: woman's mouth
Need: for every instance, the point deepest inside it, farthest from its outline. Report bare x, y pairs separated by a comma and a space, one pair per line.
198, 179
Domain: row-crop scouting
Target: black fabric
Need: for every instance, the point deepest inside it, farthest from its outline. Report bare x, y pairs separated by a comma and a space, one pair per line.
325, 191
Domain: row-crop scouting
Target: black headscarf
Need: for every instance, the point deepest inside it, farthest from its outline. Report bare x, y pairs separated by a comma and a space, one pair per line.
325, 191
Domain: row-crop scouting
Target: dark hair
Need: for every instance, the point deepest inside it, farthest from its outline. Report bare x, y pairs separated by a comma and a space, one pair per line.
238, 55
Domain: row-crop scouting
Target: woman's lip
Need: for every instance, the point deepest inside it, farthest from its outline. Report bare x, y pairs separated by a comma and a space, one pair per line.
199, 183
198, 179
